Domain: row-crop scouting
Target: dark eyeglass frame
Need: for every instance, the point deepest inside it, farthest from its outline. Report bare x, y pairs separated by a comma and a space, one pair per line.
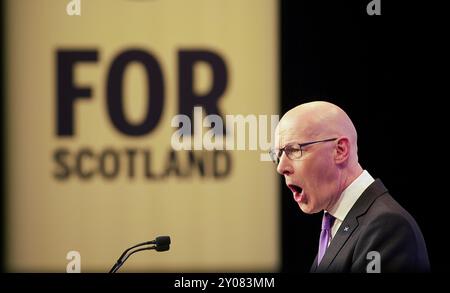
275, 155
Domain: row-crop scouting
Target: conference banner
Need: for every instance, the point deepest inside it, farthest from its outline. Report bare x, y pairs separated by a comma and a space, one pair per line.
111, 107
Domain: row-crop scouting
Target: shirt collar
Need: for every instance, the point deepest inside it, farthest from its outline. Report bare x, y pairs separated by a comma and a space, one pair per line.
350, 195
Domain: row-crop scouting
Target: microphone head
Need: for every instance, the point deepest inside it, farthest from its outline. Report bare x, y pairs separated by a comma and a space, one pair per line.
162, 241
162, 247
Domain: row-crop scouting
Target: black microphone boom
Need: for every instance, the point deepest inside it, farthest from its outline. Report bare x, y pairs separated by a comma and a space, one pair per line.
161, 243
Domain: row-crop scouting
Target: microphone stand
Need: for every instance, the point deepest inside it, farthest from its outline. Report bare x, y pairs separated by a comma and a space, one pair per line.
125, 256
161, 243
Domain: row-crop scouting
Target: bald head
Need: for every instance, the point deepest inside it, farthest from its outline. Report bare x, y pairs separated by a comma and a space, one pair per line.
318, 120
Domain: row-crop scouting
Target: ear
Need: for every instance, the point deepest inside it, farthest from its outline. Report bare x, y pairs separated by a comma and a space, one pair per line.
342, 150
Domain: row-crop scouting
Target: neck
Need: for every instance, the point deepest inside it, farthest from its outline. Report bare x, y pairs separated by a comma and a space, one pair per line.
345, 179
351, 176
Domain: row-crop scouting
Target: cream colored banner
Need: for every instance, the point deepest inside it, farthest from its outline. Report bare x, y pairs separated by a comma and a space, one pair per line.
91, 92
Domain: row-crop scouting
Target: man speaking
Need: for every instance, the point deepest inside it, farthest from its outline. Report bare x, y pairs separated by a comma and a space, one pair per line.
363, 228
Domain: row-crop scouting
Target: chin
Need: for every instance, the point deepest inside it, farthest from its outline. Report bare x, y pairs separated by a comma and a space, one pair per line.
305, 208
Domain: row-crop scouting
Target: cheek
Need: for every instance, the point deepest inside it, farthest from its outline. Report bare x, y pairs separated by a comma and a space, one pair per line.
318, 173
308, 173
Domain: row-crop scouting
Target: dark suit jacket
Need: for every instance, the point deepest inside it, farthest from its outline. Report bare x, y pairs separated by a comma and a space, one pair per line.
376, 222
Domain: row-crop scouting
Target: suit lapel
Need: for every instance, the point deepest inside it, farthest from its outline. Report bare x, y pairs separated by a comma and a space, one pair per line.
314, 266
349, 224
345, 230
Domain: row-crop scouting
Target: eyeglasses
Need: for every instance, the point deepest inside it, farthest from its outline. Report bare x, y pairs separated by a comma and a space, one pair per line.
293, 151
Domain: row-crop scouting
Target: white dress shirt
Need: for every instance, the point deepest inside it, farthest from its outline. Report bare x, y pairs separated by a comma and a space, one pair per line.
348, 198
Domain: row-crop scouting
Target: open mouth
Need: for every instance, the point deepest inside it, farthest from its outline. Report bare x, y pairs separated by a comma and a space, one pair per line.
295, 188
298, 193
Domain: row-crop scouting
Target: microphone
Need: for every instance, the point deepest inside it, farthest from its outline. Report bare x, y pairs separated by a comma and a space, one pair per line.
161, 243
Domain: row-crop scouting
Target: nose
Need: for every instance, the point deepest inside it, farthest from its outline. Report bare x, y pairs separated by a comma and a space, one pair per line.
285, 165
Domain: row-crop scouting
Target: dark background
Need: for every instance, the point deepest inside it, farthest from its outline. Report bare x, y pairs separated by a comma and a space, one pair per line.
382, 70
379, 69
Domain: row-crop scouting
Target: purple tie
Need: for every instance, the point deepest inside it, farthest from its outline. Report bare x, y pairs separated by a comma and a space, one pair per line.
325, 234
